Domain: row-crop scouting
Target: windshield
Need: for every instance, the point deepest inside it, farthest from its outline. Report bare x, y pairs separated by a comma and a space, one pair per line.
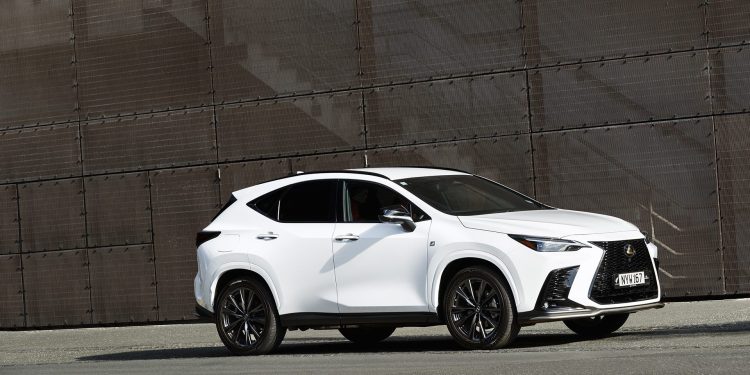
464, 195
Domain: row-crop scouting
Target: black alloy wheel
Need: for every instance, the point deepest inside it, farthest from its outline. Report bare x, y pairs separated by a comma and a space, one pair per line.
246, 318
367, 335
597, 326
479, 311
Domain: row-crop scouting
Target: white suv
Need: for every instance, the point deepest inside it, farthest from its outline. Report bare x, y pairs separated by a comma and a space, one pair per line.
367, 250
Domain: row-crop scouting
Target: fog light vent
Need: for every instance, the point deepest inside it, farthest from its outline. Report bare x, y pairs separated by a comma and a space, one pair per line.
556, 288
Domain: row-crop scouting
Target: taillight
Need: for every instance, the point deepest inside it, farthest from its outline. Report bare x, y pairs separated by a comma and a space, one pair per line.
204, 236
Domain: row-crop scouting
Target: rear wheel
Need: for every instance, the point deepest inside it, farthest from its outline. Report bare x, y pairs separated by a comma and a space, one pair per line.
478, 309
246, 318
367, 335
598, 326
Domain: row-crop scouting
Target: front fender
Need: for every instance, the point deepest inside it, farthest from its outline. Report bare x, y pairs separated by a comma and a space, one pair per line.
468, 254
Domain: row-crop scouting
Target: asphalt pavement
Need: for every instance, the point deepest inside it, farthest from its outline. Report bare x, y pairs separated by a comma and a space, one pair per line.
710, 337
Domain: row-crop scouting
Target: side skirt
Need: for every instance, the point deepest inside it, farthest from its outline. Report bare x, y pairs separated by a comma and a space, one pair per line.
334, 321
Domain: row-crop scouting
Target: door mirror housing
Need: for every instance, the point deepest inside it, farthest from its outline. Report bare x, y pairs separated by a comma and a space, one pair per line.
397, 215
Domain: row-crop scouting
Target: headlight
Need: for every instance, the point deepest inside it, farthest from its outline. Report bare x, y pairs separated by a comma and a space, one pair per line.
543, 244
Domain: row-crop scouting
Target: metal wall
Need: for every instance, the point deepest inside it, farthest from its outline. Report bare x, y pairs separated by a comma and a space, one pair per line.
124, 125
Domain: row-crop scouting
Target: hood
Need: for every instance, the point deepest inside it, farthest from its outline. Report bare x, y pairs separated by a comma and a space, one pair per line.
547, 223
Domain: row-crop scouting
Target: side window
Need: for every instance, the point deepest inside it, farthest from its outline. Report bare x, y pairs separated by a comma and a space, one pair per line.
309, 202
268, 204
363, 202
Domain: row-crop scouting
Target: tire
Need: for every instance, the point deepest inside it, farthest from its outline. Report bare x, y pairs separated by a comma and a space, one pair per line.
479, 309
367, 335
598, 326
246, 318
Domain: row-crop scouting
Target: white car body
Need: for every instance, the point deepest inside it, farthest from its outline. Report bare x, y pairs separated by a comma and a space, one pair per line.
318, 278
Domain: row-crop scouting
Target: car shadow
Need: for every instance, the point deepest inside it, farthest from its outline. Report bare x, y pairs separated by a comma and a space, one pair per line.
443, 343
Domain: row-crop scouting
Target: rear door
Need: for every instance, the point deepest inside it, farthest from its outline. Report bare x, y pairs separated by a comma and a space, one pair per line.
293, 243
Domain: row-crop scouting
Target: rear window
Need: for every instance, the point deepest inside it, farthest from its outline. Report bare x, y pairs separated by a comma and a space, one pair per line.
309, 202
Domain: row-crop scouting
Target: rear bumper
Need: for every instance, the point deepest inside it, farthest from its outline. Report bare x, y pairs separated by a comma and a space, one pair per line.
202, 312
535, 316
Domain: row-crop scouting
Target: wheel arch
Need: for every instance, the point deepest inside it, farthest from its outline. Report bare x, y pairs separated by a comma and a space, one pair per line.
450, 267
234, 271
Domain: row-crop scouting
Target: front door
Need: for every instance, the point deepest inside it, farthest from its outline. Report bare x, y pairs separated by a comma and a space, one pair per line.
380, 267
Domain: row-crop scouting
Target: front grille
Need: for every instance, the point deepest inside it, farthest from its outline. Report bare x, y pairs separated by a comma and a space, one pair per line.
614, 262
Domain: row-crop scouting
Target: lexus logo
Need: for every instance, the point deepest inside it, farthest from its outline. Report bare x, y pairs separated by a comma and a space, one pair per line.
629, 250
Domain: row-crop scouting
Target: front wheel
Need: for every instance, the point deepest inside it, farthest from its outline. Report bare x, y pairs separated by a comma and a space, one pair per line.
246, 318
598, 326
478, 309
367, 335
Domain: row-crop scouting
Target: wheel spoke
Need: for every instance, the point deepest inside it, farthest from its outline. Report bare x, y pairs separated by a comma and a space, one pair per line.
464, 296
250, 296
488, 320
234, 314
481, 327
236, 306
256, 309
236, 334
474, 327
471, 292
255, 332
242, 300
482, 284
489, 298
247, 334
229, 327
463, 319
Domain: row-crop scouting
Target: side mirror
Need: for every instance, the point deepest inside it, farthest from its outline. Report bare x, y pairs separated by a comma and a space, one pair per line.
397, 215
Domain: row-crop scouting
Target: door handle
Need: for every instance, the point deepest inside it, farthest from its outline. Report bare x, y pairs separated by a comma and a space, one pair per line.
267, 236
346, 238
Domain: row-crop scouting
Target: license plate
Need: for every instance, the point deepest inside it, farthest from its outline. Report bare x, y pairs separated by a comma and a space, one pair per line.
624, 280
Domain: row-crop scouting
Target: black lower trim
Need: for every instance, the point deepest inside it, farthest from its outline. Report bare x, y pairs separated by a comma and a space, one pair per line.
535, 316
320, 320
202, 312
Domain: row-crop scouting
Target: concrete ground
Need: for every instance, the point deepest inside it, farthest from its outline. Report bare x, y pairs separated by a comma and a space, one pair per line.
711, 337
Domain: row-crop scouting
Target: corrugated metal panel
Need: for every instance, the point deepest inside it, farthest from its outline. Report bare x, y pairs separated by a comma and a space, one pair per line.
35, 55
733, 146
183, 202
727, 22
288, 127
403, 40
11, 292
506, 160
141, 56
238, 176
148, 141
42, 152
118, 210
622, 91
9, 220
446, 110
123, 287
558, 31
261, 48
329, 162
52, 215
57, 289
659, 176
730, 79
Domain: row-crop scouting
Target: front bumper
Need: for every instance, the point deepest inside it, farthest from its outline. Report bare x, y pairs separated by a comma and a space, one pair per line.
536, 316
